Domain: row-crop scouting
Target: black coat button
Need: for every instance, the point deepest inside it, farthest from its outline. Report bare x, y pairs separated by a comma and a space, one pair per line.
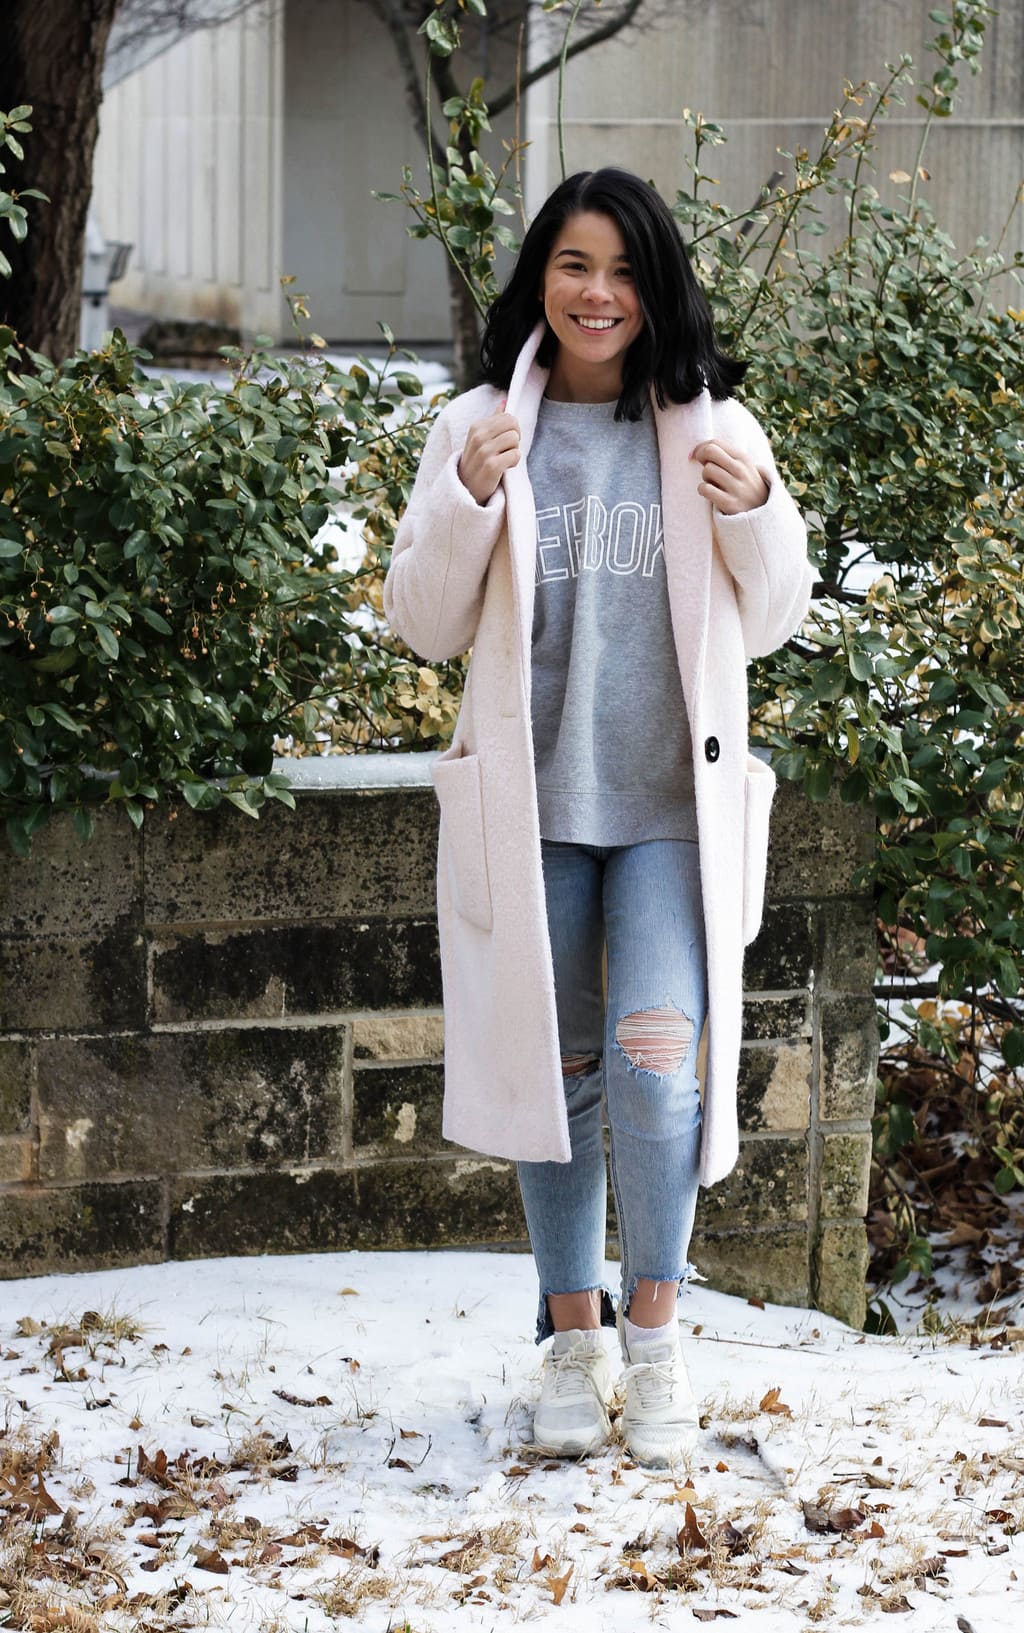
711, 748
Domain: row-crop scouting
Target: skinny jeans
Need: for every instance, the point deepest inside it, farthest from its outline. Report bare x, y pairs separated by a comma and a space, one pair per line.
643, 904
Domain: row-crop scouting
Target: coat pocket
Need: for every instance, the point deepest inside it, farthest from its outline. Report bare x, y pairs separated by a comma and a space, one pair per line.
758, 792
463, 846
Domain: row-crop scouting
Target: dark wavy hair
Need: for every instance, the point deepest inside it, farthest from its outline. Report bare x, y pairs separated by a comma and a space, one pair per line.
676, 352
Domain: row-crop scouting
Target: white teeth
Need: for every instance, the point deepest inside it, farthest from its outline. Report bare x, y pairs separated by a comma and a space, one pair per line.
597, 323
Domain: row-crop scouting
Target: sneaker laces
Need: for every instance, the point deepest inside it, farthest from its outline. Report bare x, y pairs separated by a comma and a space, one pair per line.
655, 1382
569, 1370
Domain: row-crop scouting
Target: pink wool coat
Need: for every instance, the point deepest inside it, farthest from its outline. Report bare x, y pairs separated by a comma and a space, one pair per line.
462, 575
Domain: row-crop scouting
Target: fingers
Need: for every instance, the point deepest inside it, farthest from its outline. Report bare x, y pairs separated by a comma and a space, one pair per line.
721, 454
729, 479
492, 447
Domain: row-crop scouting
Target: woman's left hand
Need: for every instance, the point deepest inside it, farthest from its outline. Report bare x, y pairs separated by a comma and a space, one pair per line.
731, 481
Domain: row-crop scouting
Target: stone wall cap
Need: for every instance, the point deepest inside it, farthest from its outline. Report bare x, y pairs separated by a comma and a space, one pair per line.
322, 773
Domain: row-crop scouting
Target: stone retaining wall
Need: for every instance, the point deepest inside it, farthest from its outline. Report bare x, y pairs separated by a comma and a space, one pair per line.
222, 1036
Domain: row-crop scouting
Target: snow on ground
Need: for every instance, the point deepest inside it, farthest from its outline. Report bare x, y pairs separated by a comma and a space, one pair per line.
283, 1443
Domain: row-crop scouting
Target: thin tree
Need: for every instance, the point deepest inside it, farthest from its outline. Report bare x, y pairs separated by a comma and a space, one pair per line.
52, 58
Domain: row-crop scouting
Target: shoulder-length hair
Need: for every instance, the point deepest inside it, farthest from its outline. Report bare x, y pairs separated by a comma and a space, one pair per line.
676, 352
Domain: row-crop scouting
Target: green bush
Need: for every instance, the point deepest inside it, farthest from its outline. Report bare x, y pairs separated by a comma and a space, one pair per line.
169, 608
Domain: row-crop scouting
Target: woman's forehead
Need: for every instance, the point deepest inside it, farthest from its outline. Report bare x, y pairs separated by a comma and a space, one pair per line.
589, 232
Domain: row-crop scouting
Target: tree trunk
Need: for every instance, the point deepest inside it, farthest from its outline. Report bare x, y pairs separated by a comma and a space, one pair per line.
465, 330
52, 58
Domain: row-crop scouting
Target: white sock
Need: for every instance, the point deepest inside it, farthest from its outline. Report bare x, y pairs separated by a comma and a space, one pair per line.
649, 1335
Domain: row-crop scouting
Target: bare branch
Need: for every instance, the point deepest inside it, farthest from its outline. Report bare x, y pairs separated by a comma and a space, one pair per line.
607, 31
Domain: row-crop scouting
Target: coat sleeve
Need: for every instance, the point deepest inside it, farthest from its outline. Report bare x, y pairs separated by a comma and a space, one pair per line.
765, 550
433, 592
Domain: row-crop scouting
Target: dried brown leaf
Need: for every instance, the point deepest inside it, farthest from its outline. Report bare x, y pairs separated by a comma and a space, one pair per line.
772, 1403
208, 1559
558, 1585
690, 1536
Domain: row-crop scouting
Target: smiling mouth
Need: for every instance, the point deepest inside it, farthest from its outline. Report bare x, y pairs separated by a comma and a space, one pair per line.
595, 326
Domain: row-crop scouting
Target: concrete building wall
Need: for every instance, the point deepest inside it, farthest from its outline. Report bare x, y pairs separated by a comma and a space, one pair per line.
253, 150
188, 170
771, 72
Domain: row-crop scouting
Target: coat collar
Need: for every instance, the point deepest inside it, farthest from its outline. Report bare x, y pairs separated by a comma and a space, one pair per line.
686, 516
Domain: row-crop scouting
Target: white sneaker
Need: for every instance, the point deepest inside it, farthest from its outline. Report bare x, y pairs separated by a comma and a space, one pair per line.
571, 1416
660, 1420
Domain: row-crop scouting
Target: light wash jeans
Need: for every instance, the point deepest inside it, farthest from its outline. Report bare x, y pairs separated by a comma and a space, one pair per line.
644, 901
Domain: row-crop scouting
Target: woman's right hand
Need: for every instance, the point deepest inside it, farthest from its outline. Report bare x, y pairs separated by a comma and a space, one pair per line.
492, 447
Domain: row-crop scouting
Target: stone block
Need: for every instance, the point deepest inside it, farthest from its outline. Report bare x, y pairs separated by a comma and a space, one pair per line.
472, 1201
816, 846
17, 1159
788, 1017
769, 1264
172, 1101
64, 983
447, 1203
346, 855
849, 943
15, 1086
396, 1111
768, 1186
419, 1036
845, 1172
775, 1087
840, 1270
67, 887
849, 1057
313, 1210
81, 1227
307, 969
781, 958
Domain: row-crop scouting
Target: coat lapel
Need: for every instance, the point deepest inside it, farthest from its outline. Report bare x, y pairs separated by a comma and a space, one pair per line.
686, 518
524, 399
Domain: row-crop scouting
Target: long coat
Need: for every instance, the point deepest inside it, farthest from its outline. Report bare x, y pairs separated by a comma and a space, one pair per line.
462, 575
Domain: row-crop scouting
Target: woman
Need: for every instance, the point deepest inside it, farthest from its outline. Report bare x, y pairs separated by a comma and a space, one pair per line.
604, 524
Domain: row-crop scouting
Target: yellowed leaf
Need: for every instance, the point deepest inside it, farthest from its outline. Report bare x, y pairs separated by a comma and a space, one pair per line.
558, 1585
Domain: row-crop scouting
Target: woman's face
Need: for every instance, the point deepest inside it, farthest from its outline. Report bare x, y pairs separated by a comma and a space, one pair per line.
590, 301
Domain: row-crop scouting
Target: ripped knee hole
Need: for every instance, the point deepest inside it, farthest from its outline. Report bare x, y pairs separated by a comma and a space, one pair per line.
579, 1065
655, 1040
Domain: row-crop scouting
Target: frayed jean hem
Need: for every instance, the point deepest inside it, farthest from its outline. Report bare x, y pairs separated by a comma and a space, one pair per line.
545, 1325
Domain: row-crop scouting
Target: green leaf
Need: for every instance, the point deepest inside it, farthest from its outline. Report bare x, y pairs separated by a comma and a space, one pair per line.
1013, 1047
107, 640
10, 548
57, 712
154, 619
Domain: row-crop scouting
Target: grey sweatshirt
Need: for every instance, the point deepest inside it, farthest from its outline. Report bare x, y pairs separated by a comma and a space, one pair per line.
611, 737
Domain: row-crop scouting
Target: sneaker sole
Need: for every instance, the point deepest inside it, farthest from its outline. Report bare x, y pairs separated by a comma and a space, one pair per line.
572, 1444
661, 1459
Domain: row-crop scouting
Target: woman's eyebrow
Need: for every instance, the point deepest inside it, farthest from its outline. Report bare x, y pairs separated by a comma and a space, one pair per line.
581, 255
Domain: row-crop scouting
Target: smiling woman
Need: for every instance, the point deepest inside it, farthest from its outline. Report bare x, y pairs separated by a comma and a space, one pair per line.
605, 526
592, 307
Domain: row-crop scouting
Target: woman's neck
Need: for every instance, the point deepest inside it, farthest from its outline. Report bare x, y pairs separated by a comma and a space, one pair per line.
597, 385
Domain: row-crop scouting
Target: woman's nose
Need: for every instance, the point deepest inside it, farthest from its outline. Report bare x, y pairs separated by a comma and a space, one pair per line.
598, 288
